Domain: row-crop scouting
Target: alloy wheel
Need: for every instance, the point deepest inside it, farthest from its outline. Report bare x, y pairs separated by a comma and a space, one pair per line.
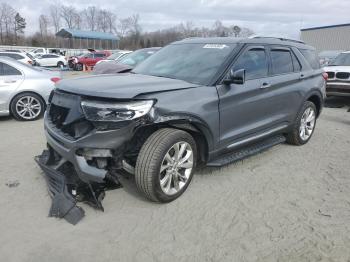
307, 123
176, 168
28, 107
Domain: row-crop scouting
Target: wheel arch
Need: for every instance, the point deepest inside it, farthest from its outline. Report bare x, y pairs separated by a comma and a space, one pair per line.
316, 98
198, 132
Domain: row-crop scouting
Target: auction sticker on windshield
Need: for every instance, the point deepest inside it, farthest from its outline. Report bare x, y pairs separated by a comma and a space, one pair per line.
215, 46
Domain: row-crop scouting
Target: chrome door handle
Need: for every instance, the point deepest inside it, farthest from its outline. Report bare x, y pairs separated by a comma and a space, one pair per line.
265, 85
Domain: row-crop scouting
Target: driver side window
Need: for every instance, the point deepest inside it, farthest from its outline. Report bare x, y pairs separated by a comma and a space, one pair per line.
254, 61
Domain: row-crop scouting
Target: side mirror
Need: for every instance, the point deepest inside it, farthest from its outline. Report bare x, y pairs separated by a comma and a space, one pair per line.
235, 77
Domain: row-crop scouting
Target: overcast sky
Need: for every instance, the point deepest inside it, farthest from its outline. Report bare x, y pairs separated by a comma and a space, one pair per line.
264, 17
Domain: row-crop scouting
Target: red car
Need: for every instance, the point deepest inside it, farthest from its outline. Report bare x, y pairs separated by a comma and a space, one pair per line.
89, 59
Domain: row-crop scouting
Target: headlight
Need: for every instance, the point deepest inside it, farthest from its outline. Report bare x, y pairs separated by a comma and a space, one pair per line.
119, 111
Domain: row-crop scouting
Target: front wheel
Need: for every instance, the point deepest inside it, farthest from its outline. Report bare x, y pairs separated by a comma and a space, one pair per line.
165, 165
60, 64
304, 125
79, 67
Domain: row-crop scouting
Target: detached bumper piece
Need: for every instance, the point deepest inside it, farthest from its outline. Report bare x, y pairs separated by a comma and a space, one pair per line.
66, 189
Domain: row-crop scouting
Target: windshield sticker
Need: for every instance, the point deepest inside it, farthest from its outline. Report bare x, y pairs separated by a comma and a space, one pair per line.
215, 46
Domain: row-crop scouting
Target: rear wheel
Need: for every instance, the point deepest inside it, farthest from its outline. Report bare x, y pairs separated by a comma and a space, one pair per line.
304, 125
165, 164
60, 64
27, 107
79, 67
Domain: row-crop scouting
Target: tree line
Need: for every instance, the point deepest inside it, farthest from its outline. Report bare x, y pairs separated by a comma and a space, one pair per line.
93, 18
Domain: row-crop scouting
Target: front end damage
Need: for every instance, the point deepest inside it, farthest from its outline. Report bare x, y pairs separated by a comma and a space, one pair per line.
66, 188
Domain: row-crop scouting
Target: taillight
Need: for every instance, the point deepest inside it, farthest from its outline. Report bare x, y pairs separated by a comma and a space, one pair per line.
55, 79
325, 76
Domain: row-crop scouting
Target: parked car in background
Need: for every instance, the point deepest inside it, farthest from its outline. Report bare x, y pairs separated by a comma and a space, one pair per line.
212, 101
43, 51
89, 59
338, 71
50, 60
326, 57
115, 56
21, 57
125, 63
24, 89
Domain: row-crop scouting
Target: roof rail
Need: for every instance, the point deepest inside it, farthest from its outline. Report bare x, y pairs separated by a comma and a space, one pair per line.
280, 38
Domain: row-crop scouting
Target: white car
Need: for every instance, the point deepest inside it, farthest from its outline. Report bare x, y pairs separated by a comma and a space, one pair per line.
338, 71
21, 57
50, 60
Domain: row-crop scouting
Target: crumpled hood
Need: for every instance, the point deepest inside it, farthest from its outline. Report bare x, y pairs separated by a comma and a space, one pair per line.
337, 68
123, 86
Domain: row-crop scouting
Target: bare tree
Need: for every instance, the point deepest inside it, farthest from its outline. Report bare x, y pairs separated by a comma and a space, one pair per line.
90, 15
106, 21
43, 26
69, 15
8, 20
55, 16
124, 27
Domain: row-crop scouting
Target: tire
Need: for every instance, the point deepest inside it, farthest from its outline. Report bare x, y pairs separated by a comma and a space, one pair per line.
295, 136
152, 157
79, 67
59, 64
33, 105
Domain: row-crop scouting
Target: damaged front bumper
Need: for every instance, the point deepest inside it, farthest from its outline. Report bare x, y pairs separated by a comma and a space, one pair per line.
66, 188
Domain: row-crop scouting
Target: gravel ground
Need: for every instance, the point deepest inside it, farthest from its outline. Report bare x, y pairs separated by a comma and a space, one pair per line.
286, 204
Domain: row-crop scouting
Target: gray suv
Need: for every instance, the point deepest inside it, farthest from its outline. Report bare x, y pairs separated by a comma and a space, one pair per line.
208, 101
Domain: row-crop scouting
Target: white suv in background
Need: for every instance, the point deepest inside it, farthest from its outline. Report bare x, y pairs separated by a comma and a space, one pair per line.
21, 57
338, 71
50, 60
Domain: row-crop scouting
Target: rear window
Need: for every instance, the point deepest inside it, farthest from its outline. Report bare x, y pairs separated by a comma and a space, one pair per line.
99, 55
281, 62
311, 57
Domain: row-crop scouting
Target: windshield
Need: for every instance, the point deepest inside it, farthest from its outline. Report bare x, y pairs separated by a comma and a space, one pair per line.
134, 58
194, 63
114, 56
342, 60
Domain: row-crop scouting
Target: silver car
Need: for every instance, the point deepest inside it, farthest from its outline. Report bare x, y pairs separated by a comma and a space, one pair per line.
24, 90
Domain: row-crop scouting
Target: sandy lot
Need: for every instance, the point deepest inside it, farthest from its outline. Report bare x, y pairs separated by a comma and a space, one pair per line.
287, 204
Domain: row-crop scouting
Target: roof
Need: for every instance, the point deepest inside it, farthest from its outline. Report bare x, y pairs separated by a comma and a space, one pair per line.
73, 33
237, 40
324, 27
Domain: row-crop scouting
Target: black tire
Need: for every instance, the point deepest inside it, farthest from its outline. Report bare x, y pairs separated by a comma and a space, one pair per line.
18, 97
59, 64
294, 137
79, 67
150, 158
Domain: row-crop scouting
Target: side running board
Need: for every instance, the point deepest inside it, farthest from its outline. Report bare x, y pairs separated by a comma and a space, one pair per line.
247, 151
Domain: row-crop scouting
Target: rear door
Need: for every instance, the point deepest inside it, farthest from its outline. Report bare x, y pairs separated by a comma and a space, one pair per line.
10, 80
284, 83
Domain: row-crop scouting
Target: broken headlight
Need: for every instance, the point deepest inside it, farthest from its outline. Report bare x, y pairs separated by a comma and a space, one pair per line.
114, 112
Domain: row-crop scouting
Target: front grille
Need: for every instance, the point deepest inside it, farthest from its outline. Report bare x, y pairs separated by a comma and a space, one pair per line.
343, 75
331, 74
65, 117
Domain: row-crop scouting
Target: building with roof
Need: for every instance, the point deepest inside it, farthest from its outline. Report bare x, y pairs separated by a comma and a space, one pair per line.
72, 38
333, 37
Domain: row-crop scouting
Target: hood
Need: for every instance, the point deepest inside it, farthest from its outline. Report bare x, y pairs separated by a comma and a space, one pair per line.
122, 86
110, 67
330, 68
